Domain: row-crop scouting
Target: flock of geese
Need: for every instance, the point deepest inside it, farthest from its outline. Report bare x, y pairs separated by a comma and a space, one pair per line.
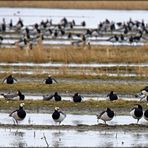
58, 115
110, 31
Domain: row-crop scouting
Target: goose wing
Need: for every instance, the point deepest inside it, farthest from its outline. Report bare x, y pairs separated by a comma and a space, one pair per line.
99, 116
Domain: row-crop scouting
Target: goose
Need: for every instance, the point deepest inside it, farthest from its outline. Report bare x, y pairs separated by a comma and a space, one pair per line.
58, 115
143, 94
146, 115
77, 98
9, 96
113, 39
106, 115
9, 80
19, 114
21, 96
137, 112
1, 39
112, 96
56, 97
47, 97
49, 80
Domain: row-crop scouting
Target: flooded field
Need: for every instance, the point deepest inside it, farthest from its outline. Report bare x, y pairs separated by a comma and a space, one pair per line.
38, 129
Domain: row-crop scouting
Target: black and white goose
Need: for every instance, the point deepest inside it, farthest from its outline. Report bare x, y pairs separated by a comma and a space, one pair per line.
9, 96
58, 115
77, 98
21, 96
56, 97
19, 114
143, 94
106, 115
49, 80
14, 96
146, 115
9, 80
137, 112
112, 96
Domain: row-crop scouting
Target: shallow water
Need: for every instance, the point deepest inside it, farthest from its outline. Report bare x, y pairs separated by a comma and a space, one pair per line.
71, 138
71, 119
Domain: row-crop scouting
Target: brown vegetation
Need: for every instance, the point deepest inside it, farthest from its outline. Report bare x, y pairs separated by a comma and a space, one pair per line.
90, 4
98, 54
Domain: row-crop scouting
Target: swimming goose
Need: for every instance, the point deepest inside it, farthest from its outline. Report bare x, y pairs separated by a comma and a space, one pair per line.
106, 115
137, 112
19, 114
58, 115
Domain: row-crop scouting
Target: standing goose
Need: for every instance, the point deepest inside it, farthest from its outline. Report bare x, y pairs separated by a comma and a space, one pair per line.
19, 114
137, 112
58, 115
77, 97
106, 115
112, 96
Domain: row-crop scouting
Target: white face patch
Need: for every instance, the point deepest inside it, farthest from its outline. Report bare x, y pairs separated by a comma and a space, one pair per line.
22, 104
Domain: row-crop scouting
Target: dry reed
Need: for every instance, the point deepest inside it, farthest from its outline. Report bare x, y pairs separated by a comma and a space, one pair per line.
98, 54
91, 4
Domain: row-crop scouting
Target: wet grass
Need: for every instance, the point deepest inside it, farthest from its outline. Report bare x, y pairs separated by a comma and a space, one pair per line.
83, 127
67, 88
91, 4
73, 76
71, 107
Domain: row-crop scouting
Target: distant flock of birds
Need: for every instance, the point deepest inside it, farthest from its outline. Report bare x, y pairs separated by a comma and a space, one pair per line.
130, 31
58, 115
